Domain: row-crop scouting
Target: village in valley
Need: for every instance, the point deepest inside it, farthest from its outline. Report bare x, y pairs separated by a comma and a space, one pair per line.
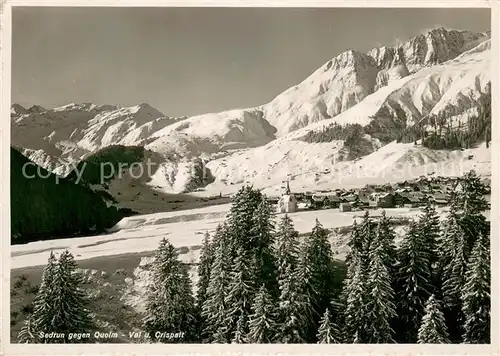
406, 194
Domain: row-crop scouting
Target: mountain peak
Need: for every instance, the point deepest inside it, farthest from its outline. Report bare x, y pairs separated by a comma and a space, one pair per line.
17, 109
433, 47
36, 109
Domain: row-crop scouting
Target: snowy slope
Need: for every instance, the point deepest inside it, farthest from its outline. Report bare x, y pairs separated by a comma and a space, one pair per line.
73, 131
317, 166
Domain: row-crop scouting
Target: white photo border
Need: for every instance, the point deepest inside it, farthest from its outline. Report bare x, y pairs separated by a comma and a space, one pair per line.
244, 349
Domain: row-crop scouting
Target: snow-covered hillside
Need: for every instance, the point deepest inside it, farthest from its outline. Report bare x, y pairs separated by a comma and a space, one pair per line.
442, 73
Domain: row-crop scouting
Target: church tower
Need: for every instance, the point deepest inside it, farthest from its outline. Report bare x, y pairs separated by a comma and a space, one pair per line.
288, 201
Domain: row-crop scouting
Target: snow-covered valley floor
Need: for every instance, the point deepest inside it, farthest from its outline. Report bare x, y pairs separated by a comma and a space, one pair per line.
142, 233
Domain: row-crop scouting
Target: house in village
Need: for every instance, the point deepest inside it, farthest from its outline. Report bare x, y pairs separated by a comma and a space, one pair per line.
439, 198
406, 199
324, 200
317, 201
381, 200
363, 201
333, 200
288, 202
349, 197
344, 207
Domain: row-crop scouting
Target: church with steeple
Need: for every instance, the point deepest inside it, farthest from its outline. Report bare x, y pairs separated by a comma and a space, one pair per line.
288, 202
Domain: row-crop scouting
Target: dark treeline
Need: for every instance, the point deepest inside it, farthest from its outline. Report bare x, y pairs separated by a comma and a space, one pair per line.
106, 163
260, 283
355, 144
442, 132
46, 206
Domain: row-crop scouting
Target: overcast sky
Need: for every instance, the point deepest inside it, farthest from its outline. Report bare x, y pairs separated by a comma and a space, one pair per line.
186, 61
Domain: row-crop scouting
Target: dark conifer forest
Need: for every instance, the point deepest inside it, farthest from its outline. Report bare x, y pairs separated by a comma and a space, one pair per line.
46, 206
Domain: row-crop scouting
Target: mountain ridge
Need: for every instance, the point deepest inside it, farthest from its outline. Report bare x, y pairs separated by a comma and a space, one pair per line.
387, 89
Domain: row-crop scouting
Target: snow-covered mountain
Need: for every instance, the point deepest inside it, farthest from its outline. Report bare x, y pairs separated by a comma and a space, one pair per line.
441, 73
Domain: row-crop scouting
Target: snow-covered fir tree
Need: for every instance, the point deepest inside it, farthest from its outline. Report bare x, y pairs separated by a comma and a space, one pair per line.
41, 318
413, 282
287, 246
379, 300
262, 321
308, 291
367, 230
354, 295
433, 327
214, 309
70, 313
292, 301
262, 233
318, 257
430, 228
291, 308
170, 305
241, 219
355, 243
328, 332
27, 334
471, 204
386, 235
472, 190
241, 331
206, 260
476, 303
451, 269
240, 292
453, 272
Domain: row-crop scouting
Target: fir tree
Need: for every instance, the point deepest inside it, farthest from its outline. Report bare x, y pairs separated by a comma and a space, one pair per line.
70, 304
413, 281
319, 258
433, 327
380, 308
292, 301
240, 334
262, 233
454, 264
214, 309
287, 246
471, 204
452, 269
170, 303
476, 294
291, 308
430, 229
354, 293
308, 291
241, 220
27, 334
41, 318
355, 245
262, 321
241, 291
206, 259
386, 235
328, 332
367, 231
471, 197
